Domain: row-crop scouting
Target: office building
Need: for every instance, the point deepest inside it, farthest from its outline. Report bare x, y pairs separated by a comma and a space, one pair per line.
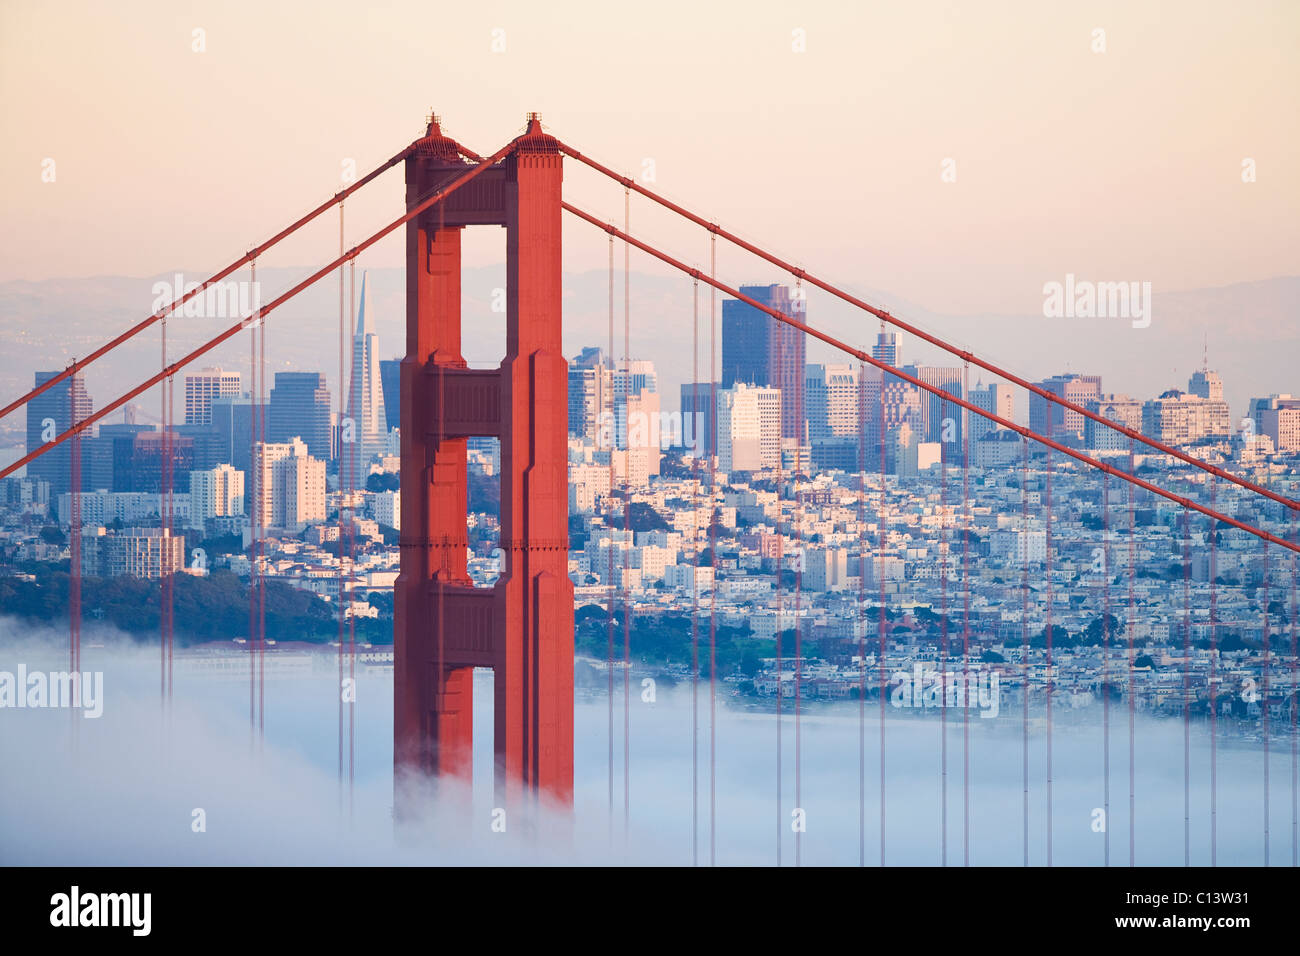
215, 492
300, 406
51, 414
749, 427
204, 386
759, 350
1053, 419
367, 428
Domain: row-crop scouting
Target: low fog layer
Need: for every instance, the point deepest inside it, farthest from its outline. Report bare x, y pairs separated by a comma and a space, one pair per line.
124, 788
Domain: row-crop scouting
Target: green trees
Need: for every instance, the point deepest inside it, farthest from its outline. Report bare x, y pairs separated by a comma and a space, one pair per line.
210, 608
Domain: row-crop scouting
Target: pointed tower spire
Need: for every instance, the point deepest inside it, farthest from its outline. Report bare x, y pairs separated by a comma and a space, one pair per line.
366, 401
363, 313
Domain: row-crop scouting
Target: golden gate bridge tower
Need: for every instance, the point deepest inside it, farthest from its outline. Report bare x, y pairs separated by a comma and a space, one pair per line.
522, 627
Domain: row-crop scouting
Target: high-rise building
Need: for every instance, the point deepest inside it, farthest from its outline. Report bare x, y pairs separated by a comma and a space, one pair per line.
641, 445
634, 379
749, 427
997, 398
51, 414
1120, 409
390, 380
261, 483
588, 383
888, 406
298, 492
1180, 418
1278, 417
697, 416
834, 409
143, 553
1206, 383
941, 421
288, 486
300, 405
386, 506
831, 394
152, 461
369, 424
1053, 419
887, 349
204, 386
215, 492
100, 456
233, 418
759, 350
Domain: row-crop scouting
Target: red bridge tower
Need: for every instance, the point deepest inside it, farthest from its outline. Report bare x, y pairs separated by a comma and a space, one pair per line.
523, 626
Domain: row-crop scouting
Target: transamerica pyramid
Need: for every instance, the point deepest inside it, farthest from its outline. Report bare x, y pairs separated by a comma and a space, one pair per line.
366, 398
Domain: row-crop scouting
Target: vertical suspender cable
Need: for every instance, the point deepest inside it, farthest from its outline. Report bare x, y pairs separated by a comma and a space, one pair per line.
965, 619
860, 621
713, 553
1105, 660
943, 644
1264, 697
1187, 684
881, 620
1051, 674
164, 526
797, 378
627, 515
1023, 550
261, 578
1132, 763
339, 543
74, 548
780, 603
1295, 713
352, 563
257, 465
1214, 698
609, 577
695, 580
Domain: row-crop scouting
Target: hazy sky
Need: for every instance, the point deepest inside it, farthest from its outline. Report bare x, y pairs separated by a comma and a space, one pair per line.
1116, 165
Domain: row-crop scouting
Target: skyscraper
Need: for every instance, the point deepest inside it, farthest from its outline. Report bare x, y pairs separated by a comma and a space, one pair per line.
369, 425
833, 396
887, 349
935, 409
300, 405
1120, 409
390, 380
759, 350
215, 492
749, 426
697, 416
202, 387
232, 424
588, 380
997, 398
288, 486
1054, 420
634, 379
50, 414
